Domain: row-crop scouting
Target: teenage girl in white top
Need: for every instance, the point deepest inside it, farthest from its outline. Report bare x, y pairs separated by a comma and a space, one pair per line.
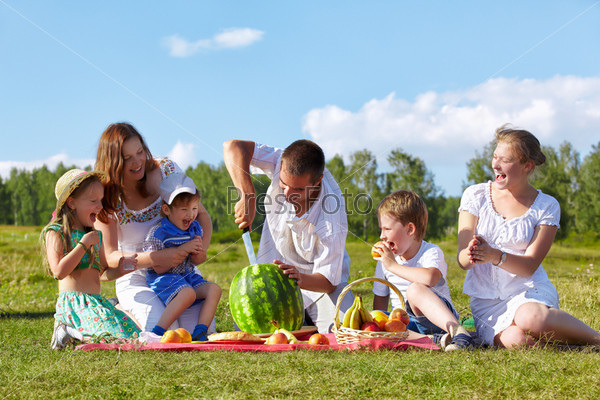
505, 229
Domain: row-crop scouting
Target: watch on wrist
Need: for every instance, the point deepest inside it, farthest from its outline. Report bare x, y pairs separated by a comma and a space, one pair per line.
502, 259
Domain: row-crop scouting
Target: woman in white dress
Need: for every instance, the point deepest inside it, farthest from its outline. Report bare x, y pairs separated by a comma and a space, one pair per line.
131, 207
505, 229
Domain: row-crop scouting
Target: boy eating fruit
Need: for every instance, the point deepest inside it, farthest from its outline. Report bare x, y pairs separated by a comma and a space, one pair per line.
417, 268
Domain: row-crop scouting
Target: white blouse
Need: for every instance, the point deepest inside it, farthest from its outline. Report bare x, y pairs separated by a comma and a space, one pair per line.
487, 281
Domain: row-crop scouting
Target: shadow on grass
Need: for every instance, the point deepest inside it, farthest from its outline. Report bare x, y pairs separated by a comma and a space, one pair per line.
25, 315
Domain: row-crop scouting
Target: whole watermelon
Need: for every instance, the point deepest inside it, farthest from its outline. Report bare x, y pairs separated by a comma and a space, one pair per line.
261, 293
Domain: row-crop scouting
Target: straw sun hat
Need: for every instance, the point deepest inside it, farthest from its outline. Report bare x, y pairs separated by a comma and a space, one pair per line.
70, 181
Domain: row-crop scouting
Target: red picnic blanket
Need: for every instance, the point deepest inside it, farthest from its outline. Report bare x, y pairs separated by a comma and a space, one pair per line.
371, 344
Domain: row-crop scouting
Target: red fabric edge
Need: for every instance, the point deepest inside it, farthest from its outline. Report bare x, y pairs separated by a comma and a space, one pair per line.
372, 344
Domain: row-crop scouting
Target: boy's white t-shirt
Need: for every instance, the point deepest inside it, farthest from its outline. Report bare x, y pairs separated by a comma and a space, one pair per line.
428, 256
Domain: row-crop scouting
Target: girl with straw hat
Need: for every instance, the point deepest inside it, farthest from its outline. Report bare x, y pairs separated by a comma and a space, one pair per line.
75, 257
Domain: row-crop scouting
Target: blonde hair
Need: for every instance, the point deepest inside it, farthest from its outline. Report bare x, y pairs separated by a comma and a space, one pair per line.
525, 146
407, 207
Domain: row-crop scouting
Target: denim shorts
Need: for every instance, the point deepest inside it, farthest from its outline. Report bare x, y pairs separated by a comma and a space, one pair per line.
166, 286
422, 324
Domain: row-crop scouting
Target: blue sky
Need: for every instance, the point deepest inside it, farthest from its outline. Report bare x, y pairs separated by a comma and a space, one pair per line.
433, 78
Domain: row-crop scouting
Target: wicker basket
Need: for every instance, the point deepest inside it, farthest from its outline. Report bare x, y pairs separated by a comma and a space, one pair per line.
345, 335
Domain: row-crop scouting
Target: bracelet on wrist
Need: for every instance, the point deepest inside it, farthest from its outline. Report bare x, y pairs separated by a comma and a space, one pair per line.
83, 245
502, 259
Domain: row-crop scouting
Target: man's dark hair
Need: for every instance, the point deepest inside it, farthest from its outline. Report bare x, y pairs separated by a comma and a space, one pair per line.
304, 157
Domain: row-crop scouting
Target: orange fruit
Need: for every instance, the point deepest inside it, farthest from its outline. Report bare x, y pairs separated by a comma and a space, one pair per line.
380, 318
184, 335
374, 252
394, 325
318, 338
170, 337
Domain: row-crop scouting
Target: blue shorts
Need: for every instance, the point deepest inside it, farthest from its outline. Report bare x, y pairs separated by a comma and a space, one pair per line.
166, 286
422, 324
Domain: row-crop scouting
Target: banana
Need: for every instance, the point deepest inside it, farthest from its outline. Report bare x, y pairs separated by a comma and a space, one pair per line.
365, 315
348, 314
355, 318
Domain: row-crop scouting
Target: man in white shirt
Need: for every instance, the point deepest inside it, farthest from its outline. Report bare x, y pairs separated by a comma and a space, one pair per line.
305, 225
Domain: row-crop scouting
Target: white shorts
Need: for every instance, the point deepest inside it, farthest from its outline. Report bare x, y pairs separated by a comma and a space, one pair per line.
492, 316
146, 307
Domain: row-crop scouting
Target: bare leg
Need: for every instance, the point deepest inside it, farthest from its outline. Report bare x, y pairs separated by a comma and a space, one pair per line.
211, 293
538, 321
423, 301
177, 306
118, 307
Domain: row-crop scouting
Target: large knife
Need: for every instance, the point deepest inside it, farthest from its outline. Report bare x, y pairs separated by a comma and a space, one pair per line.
248, 245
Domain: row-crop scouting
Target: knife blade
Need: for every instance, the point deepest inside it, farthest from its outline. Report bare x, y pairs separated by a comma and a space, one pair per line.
248, 246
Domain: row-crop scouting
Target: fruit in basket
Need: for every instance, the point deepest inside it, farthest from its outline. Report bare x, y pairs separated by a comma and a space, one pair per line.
277, 338
348, 315
170, 336
371, 326
399, 313
394, 325
380, 317
356, 315
319, 339
374, 251
261, 293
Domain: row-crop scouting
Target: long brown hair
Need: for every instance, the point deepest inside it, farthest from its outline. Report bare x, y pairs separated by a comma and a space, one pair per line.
110, 160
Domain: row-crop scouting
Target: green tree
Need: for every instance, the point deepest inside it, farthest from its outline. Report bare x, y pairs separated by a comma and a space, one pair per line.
337, 169
44, 181
588, 195
558, 178
411, 173
363, 177
479, 168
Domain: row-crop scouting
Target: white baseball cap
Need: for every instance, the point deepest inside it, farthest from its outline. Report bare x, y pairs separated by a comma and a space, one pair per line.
175, 184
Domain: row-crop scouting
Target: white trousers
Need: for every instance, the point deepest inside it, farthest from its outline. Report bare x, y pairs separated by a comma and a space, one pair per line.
146, 307
322, 311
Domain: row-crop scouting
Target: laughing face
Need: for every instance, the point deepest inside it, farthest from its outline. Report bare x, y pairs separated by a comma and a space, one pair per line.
508, 170
134, 160
87, 205
182, 215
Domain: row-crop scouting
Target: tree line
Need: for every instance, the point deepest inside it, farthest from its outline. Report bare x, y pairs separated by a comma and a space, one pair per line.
27, 197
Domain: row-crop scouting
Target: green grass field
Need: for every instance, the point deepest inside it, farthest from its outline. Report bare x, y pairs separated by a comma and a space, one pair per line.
29, 369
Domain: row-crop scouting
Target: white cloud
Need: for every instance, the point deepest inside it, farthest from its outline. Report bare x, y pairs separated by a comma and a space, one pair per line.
51, 163
180, 47
445, 129
227, 39
237, 37
183, 154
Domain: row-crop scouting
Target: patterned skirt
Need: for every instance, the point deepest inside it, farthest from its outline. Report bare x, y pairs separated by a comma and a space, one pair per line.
93, 315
